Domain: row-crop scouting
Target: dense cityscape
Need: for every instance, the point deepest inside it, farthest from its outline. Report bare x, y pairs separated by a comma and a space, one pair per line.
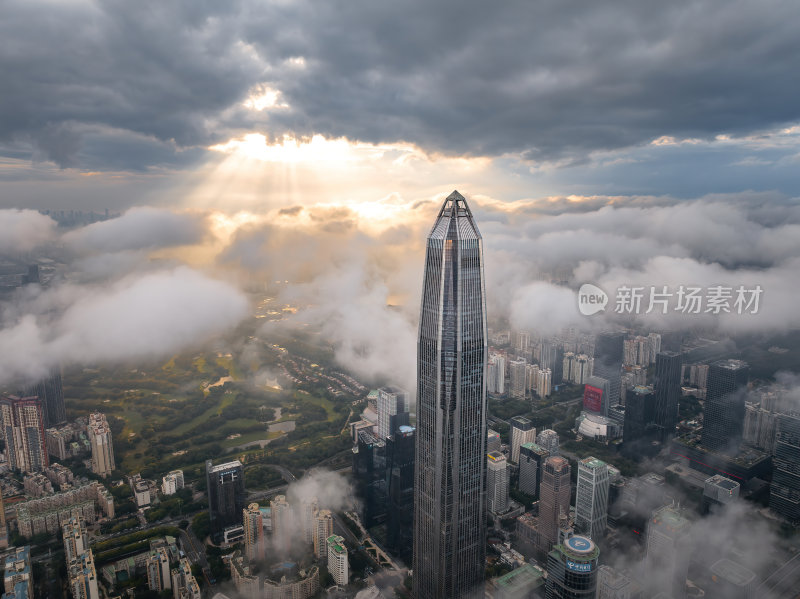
617, 464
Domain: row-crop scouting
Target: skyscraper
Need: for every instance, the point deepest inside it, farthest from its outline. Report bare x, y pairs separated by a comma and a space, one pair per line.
517, 377
784, 496
554, 497
23, 429
723, 413
226, 495
667, 386
450, 486
400, 493
392, 410
668, 550
522, 431
497, 482
253, 524
50, 391
639, 415
591, 498
608, 350
102, 445
531, 461
572, 569
548, 439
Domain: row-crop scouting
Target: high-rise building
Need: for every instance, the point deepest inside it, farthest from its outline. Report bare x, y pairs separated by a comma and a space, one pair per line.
616, 584
323, 528
158, 572
544, 384
50, 392
282, 522
496, 374
83, 577
784, 495
450, 485
253, 524
517, 378
667, 387
582, 369
3, 524
568, 366
595, 395
730, 580
554, 498
102, 445
572, 569
305, 515
591, 498
338, 564
548, 439
668, 550
392, 410
23, 429
76, 539
522, 431
226, 494
497, 482
655, 346
184, 584
17, 571
723, 412
639, 414
608, 349
400, 493
531, 460
172, 482
369, 470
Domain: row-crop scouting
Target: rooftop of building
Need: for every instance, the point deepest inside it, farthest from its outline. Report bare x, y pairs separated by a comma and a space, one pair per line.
226, 466
534, 447
496, 456
579, 547
526, 576
722, 482
732, 572
731, 364
336, 544
670, 517
592, 462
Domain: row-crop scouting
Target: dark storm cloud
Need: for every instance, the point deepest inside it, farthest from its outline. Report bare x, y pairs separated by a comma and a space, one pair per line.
551, 80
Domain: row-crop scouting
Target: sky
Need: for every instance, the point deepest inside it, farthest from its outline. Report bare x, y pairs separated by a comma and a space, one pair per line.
613, 143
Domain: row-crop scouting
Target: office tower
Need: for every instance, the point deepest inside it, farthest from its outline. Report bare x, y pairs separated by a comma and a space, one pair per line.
400, 492
102, 445
784, 495
548, 439
608, 349
450, 485
253, 524
531, 460
719, 491
544, 385
554, 497
668, 550
392, 410
338, 564
158, 572
172, 482
23, 430
595, 395
522, 431
493, 441
76, 539
667, 387
591, 498
323, 528
226, 494
723, 413
616, 584
517, 375
639, 415
50, 392
282, 522
497, 482
572, 569
369, 470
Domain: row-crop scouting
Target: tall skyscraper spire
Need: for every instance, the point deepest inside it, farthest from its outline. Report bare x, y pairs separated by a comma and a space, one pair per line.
450, 477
